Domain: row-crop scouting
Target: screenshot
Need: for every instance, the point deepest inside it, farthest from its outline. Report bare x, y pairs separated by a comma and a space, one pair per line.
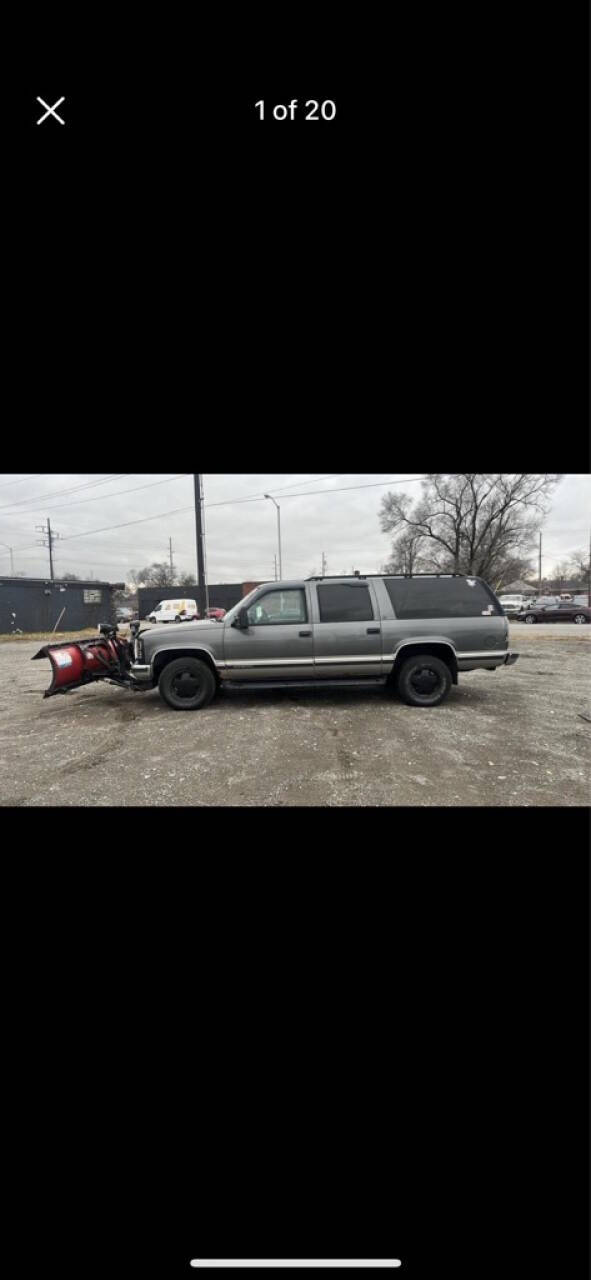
295, 764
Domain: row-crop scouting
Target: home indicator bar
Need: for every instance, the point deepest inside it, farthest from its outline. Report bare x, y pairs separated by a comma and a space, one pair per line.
206, 1263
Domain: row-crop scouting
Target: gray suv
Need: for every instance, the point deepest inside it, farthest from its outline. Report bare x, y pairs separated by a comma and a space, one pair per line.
413, 633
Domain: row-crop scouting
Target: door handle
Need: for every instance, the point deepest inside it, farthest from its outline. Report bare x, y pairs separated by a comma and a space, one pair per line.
373, 631
305, 633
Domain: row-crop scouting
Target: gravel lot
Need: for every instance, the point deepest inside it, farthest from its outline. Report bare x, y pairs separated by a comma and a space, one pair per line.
513, 737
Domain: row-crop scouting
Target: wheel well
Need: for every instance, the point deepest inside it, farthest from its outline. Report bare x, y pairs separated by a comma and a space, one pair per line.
168, 655
443, 651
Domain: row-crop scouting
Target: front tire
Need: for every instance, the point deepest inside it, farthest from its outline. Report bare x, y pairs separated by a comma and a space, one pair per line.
529, 617
579, 617
187, 684
424, 681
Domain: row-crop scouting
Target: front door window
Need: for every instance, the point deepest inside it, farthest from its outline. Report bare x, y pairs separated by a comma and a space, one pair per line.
278, 608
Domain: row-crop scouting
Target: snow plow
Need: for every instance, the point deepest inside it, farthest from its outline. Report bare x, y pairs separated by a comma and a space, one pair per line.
75, 663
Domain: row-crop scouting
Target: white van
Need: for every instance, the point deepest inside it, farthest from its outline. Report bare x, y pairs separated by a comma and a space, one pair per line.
174, 611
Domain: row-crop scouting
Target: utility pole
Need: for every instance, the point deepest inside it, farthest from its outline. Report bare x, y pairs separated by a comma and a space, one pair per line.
323, 564
201, 605
5, 544
540, 565
275, 559
51, 537
589, 576
171, 564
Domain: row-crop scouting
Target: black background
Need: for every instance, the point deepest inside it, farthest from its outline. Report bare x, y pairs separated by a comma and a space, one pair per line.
376, 1047
365, 1034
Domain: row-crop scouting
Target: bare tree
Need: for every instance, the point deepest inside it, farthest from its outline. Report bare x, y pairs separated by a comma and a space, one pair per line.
186, 580
579, 563
473, 523
406, 553
154, 575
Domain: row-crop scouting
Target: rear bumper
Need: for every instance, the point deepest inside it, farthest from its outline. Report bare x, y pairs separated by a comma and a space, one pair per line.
486, 660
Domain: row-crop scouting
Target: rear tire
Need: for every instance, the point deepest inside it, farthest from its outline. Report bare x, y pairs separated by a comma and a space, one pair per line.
424, 680
187, 684
529, 617
579, 617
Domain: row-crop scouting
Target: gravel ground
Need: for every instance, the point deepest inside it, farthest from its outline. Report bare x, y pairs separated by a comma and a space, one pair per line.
514, 737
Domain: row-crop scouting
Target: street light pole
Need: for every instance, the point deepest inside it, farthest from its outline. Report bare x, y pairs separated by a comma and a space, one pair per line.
268, 495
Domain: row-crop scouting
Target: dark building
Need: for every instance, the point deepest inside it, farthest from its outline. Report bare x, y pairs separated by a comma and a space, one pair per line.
222, 595
37, 604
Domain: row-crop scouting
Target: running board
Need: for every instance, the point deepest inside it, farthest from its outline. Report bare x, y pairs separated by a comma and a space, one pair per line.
293, 685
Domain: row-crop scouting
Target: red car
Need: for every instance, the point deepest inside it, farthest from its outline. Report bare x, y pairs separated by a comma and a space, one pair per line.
218, 614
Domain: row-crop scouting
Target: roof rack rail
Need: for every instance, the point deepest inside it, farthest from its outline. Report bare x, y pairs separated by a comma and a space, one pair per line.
332, 577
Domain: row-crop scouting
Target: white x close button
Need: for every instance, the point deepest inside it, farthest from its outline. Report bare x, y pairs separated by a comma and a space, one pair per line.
50, 111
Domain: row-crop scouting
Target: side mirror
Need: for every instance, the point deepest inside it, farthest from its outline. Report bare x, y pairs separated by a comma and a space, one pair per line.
241, 620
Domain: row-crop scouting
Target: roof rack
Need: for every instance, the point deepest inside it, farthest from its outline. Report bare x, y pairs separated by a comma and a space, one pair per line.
332, 577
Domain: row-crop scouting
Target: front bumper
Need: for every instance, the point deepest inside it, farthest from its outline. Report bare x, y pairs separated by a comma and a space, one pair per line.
141, 671
512, 657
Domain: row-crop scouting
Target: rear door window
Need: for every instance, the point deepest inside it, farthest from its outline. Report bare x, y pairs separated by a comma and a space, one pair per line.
344, 602
440, 598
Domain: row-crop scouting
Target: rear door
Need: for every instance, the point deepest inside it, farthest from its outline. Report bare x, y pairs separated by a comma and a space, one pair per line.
347, 630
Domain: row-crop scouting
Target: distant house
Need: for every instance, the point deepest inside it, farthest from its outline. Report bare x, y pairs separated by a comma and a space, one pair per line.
518, 588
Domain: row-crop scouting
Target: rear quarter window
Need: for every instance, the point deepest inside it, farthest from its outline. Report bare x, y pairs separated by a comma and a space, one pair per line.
343, 602
441, 598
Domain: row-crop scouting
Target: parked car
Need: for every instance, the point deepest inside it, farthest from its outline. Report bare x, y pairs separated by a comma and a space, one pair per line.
565, 611
513, 605
412, 634
123, 614
215, 613
174, 611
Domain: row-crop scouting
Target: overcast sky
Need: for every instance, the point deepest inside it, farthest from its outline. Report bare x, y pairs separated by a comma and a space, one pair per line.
241, 537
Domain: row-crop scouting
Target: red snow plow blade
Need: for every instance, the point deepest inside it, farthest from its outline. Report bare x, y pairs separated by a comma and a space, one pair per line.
79, 662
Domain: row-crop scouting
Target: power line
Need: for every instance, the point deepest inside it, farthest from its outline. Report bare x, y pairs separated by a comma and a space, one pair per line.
178, 510
319, 493
317, 480
38, 497
101, 497
108, 527
348, 488
21, 481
